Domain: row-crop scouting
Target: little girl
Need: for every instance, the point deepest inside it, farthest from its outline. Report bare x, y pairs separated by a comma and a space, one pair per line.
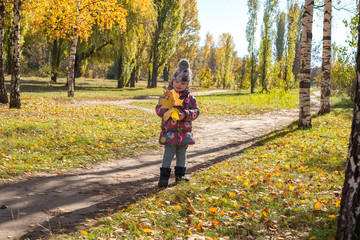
176, 135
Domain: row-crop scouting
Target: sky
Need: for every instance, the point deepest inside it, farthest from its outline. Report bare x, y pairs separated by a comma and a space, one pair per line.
230, 16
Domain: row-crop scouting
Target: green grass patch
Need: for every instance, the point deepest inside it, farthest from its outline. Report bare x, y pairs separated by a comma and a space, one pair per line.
241, 103
43, 137
286, 187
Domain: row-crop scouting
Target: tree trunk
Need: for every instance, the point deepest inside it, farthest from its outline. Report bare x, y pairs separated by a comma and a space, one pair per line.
3, 93
154, 76
325, 73
252, 76
133, 76
305, 64
166, 72
121, 83
349, 219
15, 73
55, 59
71, 76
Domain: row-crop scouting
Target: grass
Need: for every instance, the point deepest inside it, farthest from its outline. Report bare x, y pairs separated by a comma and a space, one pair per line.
288, 186
241, 103
40, 138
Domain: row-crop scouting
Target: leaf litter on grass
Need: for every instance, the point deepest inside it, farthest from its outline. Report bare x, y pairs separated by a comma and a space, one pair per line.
288, 186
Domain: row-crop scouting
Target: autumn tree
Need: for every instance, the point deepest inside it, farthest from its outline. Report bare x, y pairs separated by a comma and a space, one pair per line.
76, 20
166, 36
225, 50
280, 35
305, 64
348, 222
293, 22
265, 52
187, 46
3, 93
128, 42
326, 57
253, 6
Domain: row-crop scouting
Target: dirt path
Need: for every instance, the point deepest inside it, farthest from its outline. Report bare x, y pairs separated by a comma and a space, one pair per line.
41, 206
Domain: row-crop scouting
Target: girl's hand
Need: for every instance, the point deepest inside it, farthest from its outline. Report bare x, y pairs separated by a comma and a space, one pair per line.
181, 115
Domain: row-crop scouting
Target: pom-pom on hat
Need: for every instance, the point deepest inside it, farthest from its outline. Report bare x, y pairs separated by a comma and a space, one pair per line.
183, 72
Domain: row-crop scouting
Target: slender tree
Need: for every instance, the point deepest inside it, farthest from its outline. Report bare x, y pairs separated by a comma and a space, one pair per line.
187, 46
326, 57
3, 93
265, 52
304, 85
15, 101
253, 6
288, 78
166, 36
280, 35
226, 48
348, 221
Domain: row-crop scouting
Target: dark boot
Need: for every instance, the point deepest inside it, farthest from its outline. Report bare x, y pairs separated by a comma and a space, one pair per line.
164, 177
180, 173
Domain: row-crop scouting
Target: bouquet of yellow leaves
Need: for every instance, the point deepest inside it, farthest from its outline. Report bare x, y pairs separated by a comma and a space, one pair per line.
171, 101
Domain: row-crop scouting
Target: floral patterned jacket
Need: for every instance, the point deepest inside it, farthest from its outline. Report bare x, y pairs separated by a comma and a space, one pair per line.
179, 132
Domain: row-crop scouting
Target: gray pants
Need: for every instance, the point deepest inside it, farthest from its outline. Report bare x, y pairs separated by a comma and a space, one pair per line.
169, 153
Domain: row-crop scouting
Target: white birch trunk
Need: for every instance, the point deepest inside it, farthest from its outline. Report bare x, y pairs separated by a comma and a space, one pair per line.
15, 64
305, 64
3, 93
349, 219
326, 66
71, 68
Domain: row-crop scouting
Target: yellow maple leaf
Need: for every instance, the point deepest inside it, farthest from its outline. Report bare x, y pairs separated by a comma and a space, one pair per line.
232, 194
177, 207
318, 205
215, 223
170, 101
213, 211
147, 230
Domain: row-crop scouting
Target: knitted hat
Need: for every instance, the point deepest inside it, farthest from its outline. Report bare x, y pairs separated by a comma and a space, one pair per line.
183, 72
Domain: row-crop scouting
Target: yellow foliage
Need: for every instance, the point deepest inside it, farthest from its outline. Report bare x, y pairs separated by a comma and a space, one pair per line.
63, 19
170, 101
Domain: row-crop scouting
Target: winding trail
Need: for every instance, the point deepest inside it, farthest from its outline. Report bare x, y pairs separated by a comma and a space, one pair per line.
31, 207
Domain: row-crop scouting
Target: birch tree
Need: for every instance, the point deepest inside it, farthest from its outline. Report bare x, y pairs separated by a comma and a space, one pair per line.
15, 101
305, 63
326, 57
253, 6
348, 221
3, 93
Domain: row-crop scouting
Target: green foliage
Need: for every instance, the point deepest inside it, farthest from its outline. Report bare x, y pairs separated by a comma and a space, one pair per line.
280, 35
166, 35
188, 44
253, 6
225, 53
343, 77
265, 51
